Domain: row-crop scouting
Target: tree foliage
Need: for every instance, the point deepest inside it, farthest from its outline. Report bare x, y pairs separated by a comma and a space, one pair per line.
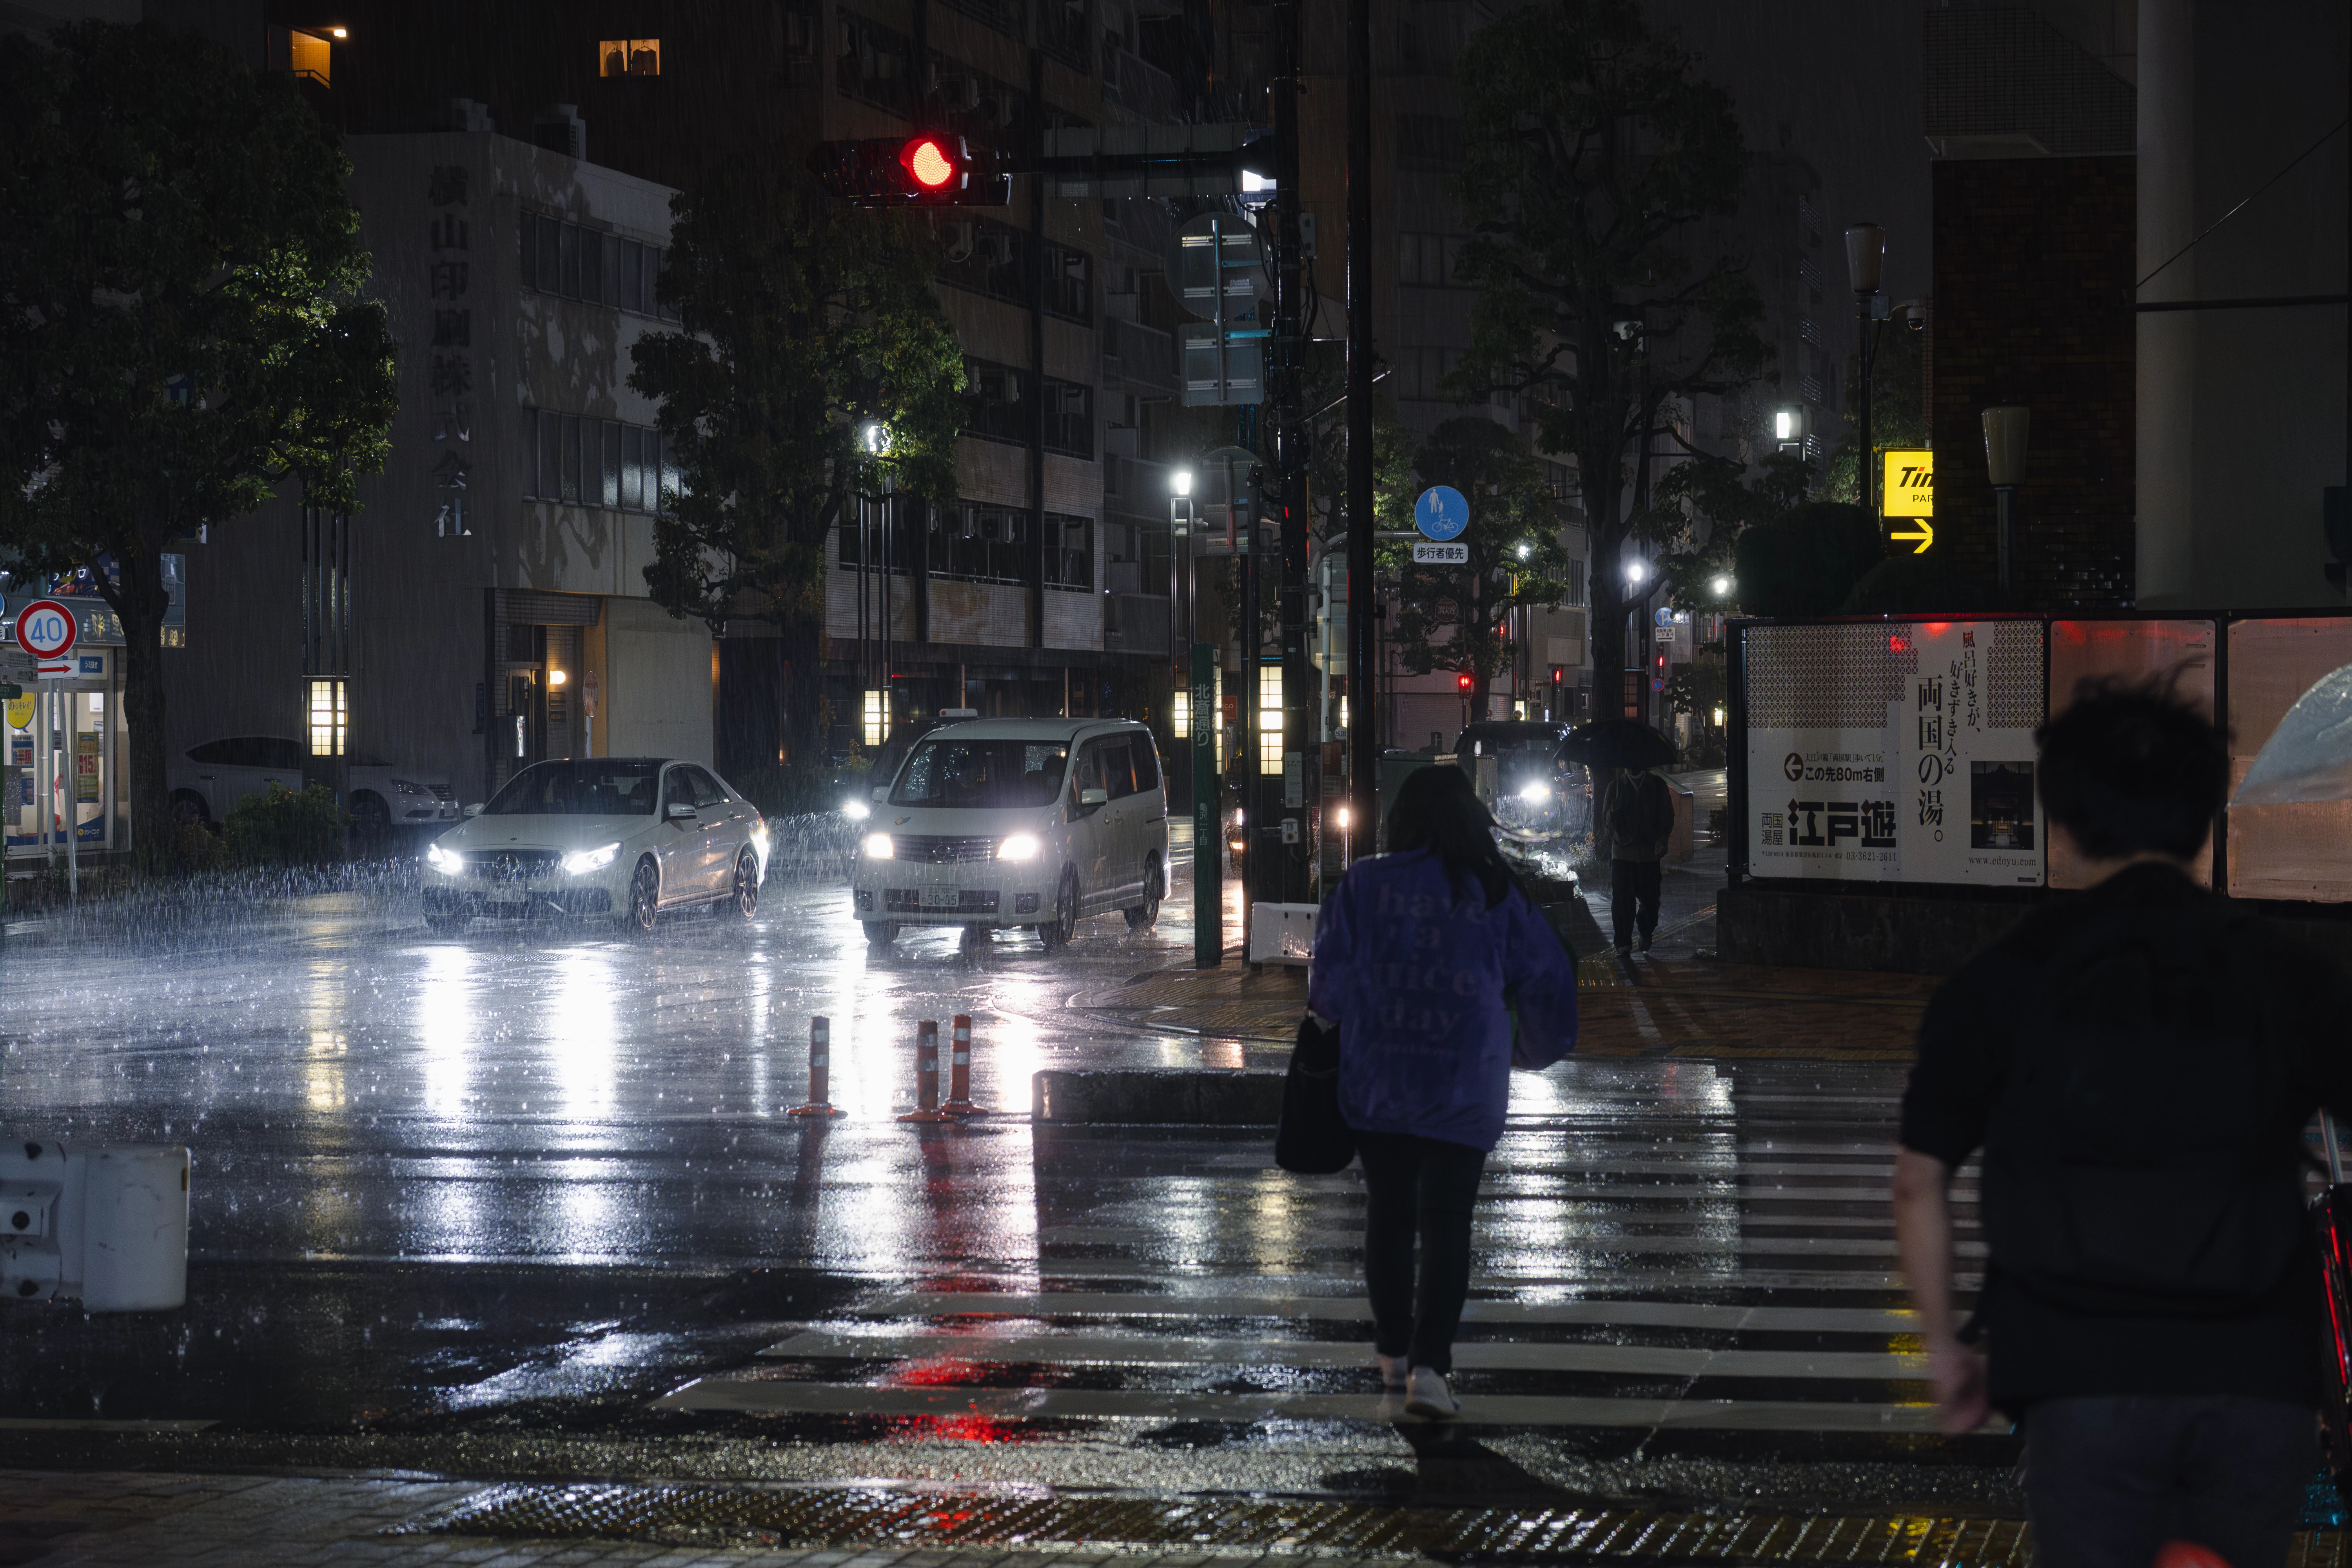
1453, 617
1898, 405
1703, 507
182, 326
1598, 174
1807, 561
802, 320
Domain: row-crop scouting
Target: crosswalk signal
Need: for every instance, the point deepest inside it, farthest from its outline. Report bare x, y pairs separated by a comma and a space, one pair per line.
930, 169
1463, 682
1558, 675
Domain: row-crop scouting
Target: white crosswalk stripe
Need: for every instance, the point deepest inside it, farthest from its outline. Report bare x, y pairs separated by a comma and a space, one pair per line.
1672, 1282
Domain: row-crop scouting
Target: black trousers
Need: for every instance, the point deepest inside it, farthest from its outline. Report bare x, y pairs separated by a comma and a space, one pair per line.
1634, 884
1425, 1185
2109, 1480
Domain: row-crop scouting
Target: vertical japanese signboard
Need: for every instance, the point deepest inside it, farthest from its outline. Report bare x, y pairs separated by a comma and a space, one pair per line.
1897, 752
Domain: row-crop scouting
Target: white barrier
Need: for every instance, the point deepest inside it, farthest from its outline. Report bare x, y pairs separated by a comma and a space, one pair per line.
1281, 933
105, 1225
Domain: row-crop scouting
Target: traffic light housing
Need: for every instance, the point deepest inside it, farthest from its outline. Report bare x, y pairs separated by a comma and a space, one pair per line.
1463, 682
929, 169
1558, 675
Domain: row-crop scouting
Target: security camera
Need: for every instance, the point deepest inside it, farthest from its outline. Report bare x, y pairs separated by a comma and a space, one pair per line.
1914, 313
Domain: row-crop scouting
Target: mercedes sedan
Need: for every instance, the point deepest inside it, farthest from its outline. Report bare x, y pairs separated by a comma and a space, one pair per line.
622, 837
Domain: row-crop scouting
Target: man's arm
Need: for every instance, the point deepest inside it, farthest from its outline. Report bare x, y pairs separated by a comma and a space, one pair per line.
1922, 1239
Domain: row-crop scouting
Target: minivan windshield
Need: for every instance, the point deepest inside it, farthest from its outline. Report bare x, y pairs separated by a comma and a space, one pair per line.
983, 772
600, 786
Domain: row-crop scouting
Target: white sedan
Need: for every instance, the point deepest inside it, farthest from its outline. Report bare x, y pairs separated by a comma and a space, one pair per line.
621, 836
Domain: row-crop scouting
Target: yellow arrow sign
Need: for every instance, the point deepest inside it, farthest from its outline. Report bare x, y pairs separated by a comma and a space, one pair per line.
1926, 536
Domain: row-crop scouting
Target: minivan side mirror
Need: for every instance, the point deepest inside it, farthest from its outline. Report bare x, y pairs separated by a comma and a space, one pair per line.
883, 793
1093, 797
475, 809
678, 808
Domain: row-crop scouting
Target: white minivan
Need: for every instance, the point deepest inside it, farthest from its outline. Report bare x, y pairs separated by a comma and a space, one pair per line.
1016, 822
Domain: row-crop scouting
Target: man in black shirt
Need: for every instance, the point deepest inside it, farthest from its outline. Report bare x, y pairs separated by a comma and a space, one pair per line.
2137, 1064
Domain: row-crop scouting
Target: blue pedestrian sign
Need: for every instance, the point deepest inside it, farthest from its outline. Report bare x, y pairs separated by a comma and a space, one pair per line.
1440, 513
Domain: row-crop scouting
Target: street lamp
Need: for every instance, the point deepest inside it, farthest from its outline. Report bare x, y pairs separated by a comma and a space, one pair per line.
1180, 482
1720, 588
1635, 571
1865, 252
2005, 427
873, 437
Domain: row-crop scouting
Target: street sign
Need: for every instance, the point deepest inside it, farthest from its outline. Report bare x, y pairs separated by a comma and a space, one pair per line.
1425, 554
45, 629
1216, 266
20, 712
1440, 513
1909, 483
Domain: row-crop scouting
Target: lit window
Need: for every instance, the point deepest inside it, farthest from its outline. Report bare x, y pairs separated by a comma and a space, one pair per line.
1179, 714
330, 718
309, 55
877, 720
1269, 718
629, 56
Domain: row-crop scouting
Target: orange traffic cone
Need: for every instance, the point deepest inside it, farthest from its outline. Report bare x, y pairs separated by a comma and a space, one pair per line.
926, 1074
960, 1071
820, 1073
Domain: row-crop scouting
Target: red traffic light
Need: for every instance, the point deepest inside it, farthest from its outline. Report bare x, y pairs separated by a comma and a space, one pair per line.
1558, 675
1463, 683
929, 163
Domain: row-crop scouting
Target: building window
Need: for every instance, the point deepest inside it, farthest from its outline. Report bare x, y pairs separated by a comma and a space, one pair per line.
988, 110
992, 403
1004, 15
875, 64
1069, 418
1069, 284
1065, 31
977, 541
308, 55
987, 257
596, 462
589, 265
1575, 581
330, 719
630, 57
1069, 551
1269, 720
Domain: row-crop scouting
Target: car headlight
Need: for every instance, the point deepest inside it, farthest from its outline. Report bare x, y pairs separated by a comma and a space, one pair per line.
441, 859
405, 787
876, 846
1535, 791
857, 810
1020, 847
582, 861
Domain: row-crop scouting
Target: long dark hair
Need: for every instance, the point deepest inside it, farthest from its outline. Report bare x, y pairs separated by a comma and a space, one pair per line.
1438, 811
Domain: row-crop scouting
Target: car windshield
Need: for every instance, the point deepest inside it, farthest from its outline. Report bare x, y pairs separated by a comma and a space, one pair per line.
977, 773
600, 787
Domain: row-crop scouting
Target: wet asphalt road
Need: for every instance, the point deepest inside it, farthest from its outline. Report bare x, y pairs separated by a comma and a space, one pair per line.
523, 1200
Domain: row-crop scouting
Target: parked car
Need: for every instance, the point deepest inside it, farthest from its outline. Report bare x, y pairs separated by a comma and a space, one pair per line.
626, 837
206, 780
1535, 794
1017, 822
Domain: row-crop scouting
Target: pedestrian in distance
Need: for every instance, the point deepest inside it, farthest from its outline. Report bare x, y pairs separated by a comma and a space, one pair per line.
1637, 823
1422, 956
2137, 1063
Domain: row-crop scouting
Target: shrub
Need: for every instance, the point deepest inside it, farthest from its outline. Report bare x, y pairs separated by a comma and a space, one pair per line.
279, 827
1807, 562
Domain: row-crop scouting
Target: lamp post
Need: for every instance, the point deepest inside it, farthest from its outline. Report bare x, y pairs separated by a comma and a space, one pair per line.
1865, 252
2005, 428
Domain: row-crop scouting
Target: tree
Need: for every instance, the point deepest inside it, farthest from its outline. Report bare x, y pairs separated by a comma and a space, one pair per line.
181, 321
801, 320
1453, 617
1806, 563
1718, 497
1898, 411
1597, 172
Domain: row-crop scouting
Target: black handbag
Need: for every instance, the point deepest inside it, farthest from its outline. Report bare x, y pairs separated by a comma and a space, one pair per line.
1312, 1139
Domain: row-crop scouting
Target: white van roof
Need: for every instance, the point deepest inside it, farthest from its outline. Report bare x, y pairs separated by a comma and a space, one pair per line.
1063, 730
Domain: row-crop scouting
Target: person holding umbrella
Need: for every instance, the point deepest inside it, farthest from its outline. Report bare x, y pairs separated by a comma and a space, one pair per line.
1635, 822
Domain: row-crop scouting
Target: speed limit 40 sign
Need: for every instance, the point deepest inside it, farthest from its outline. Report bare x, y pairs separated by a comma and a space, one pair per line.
47, 629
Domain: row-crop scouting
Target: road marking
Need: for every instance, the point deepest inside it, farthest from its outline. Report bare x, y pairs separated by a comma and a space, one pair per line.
1353, 1308
1563, 1236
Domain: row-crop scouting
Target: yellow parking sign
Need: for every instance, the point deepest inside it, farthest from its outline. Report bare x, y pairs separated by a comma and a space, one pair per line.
1909, 484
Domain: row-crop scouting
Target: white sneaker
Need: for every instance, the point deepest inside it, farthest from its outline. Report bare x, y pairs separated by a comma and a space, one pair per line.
1394, 1371
1428, 1396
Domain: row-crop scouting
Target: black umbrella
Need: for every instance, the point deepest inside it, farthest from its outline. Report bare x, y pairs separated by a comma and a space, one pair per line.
1616, 744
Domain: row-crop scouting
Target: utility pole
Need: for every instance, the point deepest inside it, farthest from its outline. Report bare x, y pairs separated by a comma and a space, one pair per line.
1284, 828
1865, 252
1363, 659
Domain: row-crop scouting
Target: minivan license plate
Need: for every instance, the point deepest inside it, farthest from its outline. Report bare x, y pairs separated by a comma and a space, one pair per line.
942, 898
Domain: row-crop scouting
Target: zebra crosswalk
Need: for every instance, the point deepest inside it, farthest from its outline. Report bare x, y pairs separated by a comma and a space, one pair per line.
1645, 1264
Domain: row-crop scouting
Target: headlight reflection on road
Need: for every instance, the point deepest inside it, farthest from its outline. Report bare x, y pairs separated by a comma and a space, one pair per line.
582, 1036
447, 1008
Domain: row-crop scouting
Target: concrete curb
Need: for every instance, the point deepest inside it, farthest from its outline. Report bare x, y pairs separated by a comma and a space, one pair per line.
1155, 1097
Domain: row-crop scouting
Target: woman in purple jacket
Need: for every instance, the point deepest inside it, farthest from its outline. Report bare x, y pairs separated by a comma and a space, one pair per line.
1420, 957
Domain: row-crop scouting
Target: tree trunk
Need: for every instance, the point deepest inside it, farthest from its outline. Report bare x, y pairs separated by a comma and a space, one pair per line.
138, 601
1481, 678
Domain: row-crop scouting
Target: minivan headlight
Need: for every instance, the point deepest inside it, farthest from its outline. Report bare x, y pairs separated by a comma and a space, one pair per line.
1020, 847
878, 846
582, 861
1535, 791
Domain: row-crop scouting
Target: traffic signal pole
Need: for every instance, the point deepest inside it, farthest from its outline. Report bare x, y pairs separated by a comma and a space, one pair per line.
1364, 669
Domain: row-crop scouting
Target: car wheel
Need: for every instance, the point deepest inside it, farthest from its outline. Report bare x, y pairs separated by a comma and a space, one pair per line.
880, 934
1145, 915
1058, 931
746, 901
188, 811
645, 898
448, 922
